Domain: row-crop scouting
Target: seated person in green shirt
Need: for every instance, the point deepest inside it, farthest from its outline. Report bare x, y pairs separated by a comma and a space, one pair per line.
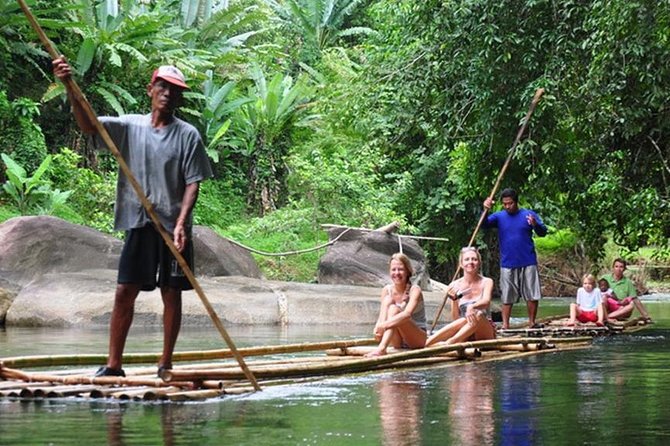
623, 300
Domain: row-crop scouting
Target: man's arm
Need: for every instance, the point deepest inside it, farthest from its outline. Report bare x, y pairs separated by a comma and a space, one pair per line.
536, 223
488, 221
187, 205
63, 71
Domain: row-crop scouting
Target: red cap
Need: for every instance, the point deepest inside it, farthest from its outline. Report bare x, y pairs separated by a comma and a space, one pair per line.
170, 74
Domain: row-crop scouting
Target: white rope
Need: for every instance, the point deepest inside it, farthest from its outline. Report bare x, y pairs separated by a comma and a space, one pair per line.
316, 248
301, 251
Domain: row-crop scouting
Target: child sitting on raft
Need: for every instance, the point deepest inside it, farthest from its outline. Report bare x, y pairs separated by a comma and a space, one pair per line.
624, 300
589, 306
609, 297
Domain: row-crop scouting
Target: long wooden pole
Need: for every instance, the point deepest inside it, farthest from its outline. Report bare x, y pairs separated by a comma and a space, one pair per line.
202, 355
536, 98
79, 97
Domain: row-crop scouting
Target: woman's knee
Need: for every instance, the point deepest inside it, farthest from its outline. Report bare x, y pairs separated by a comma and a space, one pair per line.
393, 310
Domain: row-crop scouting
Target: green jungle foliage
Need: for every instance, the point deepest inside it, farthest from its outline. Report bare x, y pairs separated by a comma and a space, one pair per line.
365, 112
28, 192
22, 139
448, 82
91, 202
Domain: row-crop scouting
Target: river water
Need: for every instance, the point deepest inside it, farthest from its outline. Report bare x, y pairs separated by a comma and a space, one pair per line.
615, 392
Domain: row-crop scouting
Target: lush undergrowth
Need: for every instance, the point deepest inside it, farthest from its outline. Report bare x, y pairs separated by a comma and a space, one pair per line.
283, 232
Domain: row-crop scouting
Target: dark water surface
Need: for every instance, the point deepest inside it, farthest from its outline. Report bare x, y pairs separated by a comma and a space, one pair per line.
617, 392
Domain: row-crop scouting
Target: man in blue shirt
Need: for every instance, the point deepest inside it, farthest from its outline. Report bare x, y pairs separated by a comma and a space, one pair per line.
519, 277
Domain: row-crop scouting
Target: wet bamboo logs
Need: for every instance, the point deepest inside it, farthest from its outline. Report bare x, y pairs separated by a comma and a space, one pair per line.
19, 375
351, 365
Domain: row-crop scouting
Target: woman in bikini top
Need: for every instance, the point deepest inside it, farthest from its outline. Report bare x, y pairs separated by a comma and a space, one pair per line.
469, 314
464, 304
402, 316
419, 313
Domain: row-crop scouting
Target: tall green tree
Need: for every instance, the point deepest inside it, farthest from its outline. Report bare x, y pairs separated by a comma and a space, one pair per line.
318, 24
446, 86
20, 57
116, 42
261, 134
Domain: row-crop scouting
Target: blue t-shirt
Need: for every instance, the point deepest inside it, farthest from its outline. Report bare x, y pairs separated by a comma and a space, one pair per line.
515, 237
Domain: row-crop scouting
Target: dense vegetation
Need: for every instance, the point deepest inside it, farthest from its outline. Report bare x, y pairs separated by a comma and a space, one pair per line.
360, 113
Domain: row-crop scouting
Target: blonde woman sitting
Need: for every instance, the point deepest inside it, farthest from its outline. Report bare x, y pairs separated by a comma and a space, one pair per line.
471, 299
402, 316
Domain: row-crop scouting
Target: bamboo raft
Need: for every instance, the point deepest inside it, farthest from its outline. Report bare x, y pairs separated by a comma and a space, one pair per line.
557, 326
200, 375
212, 374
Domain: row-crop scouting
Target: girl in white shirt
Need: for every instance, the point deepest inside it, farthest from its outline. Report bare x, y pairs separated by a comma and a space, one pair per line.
589, 305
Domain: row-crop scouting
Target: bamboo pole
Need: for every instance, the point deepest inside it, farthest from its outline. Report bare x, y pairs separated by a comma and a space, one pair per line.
139, 358
536, 99
79, 97
14, 374
104, 392
63, 391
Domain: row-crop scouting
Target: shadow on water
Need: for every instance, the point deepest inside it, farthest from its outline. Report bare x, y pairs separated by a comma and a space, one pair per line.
612, 393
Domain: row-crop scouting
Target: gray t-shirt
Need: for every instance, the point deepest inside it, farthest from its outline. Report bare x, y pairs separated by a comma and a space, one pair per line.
162, 160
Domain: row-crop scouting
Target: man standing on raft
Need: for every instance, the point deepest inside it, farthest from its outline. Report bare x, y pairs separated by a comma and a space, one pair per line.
519, 277
168, 159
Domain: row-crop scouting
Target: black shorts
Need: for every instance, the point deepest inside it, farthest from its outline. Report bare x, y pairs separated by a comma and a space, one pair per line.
147, 261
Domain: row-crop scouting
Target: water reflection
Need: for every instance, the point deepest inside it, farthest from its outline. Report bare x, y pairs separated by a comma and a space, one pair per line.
126, 426
471, 407
114, 420
590, 384
519, 403
400, 412
613, 393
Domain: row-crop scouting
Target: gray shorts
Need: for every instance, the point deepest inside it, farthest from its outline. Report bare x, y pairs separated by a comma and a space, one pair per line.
519, 283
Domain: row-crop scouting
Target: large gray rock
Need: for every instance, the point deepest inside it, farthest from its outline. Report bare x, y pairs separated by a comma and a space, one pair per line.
217, 256
362, 258
6, 299
33, 246
86, 299
35, 250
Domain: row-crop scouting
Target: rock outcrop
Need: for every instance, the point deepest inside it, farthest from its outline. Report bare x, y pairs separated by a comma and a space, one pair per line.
217, 256
33, 246
56, 274
53, 272
362, 258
